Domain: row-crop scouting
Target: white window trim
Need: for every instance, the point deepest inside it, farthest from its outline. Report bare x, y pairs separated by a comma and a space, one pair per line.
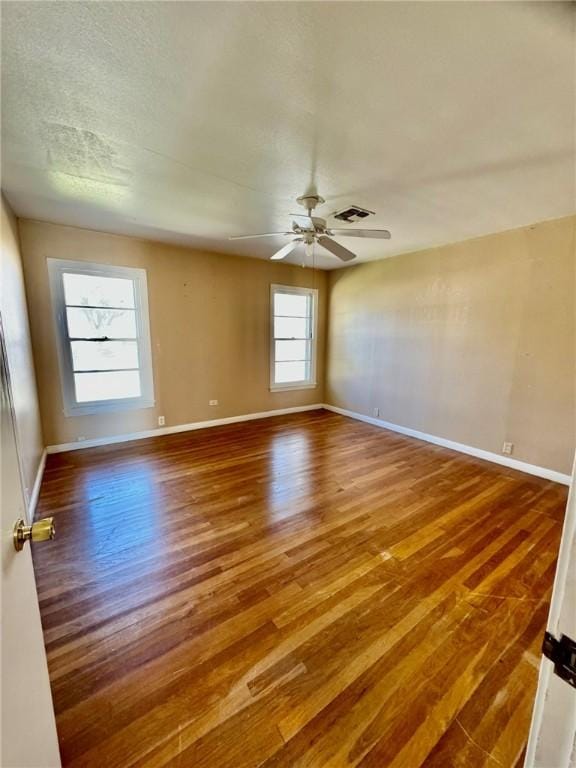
56, 270
309, 383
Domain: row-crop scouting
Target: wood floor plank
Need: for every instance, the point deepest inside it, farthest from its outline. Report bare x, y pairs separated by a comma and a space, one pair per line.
296, 591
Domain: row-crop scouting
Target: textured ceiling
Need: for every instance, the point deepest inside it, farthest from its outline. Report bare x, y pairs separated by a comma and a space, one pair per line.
189, 122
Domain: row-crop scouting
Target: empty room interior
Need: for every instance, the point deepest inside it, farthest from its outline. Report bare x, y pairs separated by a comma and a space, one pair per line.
288, 357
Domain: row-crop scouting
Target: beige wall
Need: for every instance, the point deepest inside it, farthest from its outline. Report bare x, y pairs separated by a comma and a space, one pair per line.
473, 342
209, 317
19, 350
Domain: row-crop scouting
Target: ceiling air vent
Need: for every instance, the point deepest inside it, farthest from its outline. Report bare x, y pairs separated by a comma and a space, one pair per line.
353, 213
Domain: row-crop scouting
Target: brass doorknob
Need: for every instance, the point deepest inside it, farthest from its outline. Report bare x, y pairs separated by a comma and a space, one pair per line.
39, 531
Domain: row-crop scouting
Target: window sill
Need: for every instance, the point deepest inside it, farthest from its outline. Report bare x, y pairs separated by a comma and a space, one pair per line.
94, 409
290, 387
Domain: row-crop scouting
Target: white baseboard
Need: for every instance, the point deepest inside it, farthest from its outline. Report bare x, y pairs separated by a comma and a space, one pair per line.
79, 445
495, 458
506, 461
33, 501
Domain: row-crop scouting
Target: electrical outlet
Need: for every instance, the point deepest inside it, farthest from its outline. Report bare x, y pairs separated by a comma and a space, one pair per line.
376, 412
507, 448
161, 421
213, 402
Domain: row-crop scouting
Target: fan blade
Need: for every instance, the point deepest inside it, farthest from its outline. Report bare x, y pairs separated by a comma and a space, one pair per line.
285, 250
303, 220
264, 234
338, 250
382, 234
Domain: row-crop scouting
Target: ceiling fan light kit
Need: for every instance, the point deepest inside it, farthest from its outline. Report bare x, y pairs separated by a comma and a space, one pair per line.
309, 229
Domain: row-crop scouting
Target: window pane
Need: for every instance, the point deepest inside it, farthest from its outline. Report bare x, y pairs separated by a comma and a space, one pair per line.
104, 355
96, 291
107, 386
94, 323
290, 328
290, 304
289, 372
292, 350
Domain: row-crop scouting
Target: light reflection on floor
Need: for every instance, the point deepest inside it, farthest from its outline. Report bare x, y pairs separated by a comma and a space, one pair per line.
132, 487
290, 474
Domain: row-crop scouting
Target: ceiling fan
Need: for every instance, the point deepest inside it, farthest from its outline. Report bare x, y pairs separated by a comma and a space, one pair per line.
309, 229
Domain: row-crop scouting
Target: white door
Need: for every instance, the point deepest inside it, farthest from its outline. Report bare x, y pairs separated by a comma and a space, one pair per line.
28, 726
552, 742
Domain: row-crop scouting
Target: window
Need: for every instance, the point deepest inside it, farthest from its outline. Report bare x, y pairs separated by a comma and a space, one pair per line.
293, 337
103, 336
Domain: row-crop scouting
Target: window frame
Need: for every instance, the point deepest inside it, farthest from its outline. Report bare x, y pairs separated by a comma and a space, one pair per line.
311, 382
56, 270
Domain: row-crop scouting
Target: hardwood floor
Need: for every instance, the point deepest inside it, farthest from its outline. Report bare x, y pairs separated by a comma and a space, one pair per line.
297, 591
